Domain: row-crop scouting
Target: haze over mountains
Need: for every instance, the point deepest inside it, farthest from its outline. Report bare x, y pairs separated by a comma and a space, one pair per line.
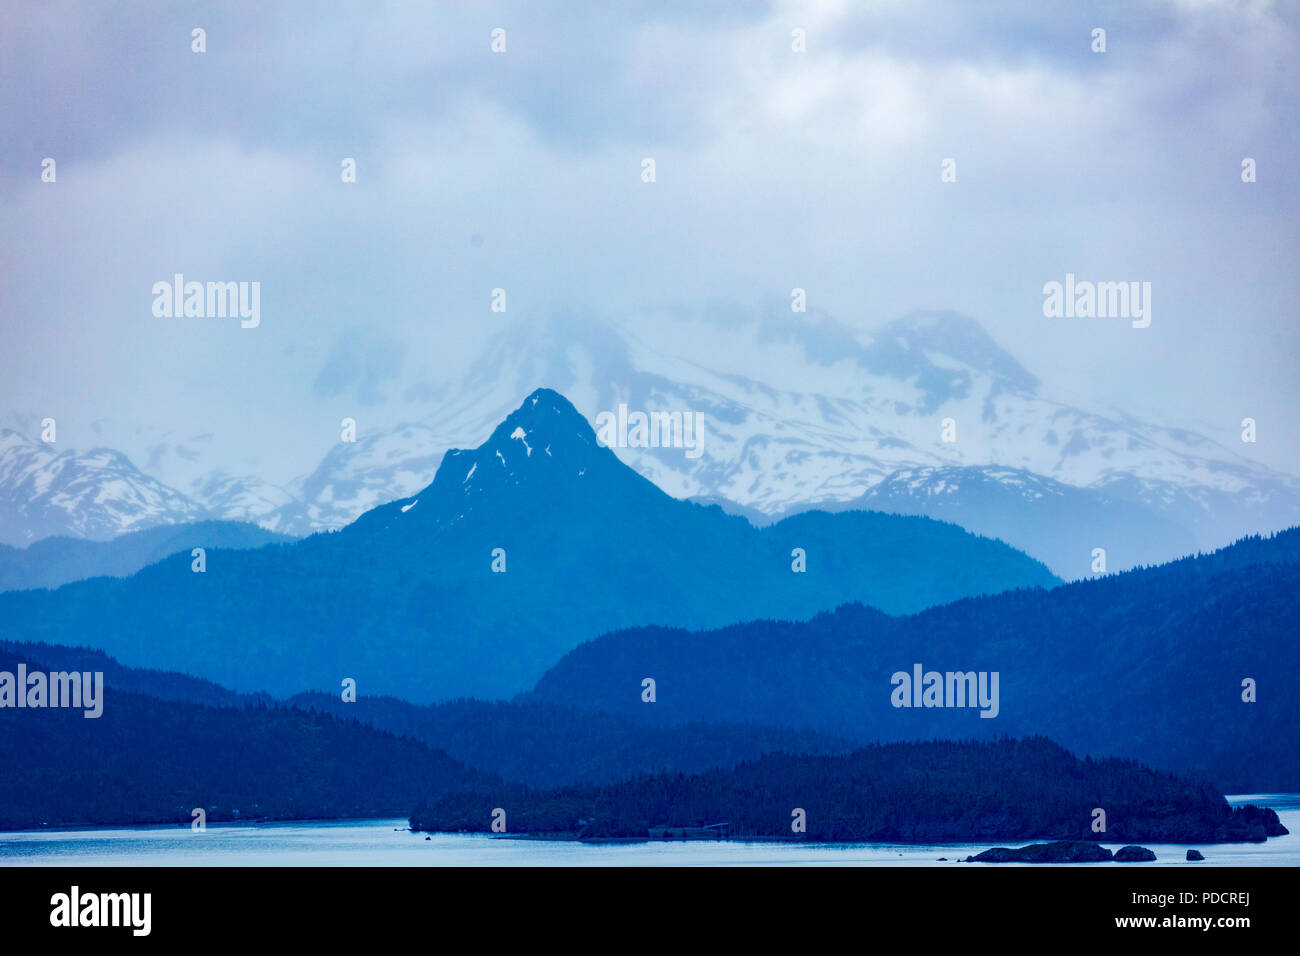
1136, 664
166, 744
406, 600
849, 419
539, 564
1149, 665
51, 562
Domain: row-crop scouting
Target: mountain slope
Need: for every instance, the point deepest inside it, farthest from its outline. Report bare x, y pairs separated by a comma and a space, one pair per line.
1057, 523
405, 600
1147, 664
51, 562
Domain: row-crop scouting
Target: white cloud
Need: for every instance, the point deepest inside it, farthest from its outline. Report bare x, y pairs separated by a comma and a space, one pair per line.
522, 171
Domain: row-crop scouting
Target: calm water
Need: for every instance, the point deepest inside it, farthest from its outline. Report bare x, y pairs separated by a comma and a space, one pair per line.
387, 843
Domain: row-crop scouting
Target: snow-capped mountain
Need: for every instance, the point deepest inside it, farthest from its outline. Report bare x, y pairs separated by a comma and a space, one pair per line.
97, 494
1059, 524
243, 498
797, 412
355, 477
835, 416
522, 547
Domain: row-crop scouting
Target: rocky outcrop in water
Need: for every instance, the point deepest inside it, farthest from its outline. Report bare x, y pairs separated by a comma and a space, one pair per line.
1062, 851
1065, 851
1134, 854
1250, 824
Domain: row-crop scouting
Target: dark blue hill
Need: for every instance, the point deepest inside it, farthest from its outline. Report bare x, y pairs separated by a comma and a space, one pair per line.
926, 792
146, 760
1147, 664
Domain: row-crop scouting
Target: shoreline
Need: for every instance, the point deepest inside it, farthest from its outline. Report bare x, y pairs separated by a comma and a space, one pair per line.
217, 825
783, 841
1273, 800
388, 841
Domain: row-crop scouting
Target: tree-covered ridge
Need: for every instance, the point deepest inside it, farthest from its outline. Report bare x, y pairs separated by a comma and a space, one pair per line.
936, 791
547, 745
164, 685
1150, 664
539, 744
146, 760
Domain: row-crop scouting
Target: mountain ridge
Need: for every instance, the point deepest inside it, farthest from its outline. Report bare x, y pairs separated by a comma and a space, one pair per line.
1133, 664
55, 561
774, 447
518, 550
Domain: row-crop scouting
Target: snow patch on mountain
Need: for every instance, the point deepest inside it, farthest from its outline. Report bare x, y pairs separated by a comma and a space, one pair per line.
97, 494
836, 414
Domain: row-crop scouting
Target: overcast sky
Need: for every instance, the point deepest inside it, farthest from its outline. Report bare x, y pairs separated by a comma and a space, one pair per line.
522, 170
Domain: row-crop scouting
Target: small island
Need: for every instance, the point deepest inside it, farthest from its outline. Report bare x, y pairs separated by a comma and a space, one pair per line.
923, 792
1063, 851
